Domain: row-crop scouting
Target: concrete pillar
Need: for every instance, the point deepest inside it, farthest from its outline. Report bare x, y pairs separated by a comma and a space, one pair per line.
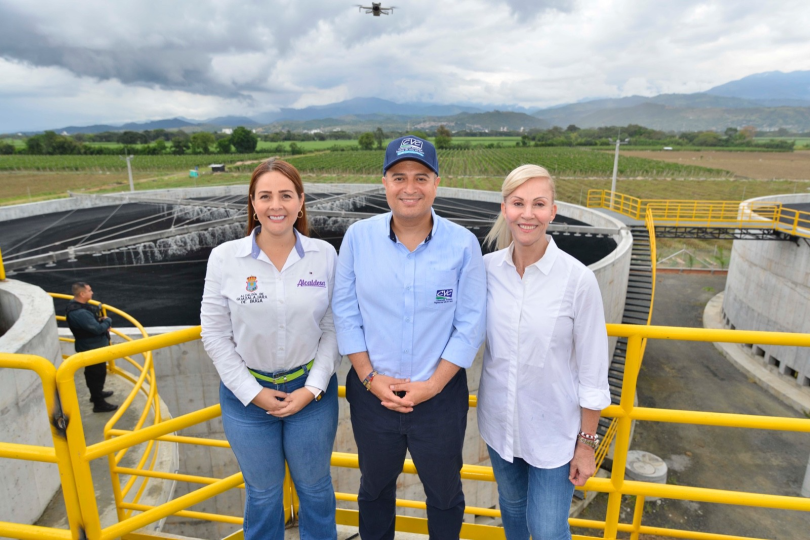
27, 326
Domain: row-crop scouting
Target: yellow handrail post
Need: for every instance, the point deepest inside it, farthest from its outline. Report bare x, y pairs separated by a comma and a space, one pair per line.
76, 444
631, 369
2, 268
637, 515
47, 374
289, 513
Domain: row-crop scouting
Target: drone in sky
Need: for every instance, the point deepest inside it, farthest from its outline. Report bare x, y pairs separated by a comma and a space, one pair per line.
376, 9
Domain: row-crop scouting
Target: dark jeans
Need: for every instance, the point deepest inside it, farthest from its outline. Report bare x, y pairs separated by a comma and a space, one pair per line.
94, 376
433, 433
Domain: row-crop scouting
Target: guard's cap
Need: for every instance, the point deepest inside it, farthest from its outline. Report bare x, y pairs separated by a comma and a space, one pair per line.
413, 148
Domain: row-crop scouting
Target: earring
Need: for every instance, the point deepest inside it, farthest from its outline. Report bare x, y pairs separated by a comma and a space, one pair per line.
300, 214
255, 217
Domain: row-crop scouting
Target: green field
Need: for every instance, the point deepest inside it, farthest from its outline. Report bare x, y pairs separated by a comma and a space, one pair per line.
499, 161
309, 146
18, 143
102, 164
325, 145
474, 162
801, 142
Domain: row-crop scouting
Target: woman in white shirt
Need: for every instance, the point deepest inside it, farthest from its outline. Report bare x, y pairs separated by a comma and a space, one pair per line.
544, 379
267, 325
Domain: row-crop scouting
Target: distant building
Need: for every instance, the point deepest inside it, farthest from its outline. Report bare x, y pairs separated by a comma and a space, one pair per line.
217, 167
227, 131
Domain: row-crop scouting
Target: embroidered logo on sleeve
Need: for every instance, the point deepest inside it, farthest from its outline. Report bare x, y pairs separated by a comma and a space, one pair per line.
443, 296
252, 284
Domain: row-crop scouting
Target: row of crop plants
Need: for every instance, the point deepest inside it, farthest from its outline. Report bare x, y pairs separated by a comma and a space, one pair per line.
455, 162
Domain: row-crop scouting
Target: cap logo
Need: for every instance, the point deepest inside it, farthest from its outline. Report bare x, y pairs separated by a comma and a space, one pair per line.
411, 146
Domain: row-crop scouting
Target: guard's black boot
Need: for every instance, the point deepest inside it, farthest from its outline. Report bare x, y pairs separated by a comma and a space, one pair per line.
104, 394
101, 405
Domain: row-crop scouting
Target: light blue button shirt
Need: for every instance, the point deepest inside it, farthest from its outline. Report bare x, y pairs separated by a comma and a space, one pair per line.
410, 309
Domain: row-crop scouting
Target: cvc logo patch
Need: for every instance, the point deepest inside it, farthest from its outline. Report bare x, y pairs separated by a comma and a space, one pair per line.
411, 146
443, 296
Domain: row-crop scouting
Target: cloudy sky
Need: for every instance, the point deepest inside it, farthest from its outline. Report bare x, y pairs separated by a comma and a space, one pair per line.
97, 61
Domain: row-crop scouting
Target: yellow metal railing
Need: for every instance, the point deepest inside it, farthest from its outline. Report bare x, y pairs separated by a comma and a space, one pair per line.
143, 383
716, 214
57, 454
2, 268
73, 455
649, 222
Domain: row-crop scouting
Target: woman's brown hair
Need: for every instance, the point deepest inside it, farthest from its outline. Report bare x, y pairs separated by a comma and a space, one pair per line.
290, 172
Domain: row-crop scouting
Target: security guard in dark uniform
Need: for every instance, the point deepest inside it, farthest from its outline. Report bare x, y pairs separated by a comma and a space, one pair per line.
92, 331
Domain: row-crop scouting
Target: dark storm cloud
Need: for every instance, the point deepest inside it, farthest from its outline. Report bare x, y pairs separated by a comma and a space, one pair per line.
170, 46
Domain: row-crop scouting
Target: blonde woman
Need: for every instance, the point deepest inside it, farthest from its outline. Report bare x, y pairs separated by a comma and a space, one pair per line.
544, 379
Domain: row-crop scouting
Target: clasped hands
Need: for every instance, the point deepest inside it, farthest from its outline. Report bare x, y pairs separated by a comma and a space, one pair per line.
385, 388
282, 404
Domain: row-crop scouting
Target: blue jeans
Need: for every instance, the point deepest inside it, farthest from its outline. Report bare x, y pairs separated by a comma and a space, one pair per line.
533, 501
262, 443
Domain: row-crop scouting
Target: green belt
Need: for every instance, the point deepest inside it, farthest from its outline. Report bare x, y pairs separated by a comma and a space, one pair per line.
284, 378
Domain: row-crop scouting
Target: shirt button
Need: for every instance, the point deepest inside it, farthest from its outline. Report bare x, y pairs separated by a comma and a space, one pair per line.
407, 319
281, 301
404, 350
281, 326
408, 287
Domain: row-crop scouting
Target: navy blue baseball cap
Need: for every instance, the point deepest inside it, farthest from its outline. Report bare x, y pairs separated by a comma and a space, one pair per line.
412, 148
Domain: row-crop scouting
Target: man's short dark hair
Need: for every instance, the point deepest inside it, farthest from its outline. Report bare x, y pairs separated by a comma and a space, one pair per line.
78, 287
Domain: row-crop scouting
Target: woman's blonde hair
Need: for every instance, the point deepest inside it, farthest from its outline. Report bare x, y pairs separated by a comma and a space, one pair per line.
500, 236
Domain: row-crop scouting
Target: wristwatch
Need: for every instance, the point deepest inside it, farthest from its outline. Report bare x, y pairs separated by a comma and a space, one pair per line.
589, 439
319, 395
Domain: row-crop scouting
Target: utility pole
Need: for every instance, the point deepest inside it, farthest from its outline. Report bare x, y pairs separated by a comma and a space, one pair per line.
129, 171
616, 167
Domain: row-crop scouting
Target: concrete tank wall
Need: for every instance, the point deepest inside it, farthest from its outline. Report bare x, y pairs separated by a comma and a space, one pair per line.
768, 288
78, 200
612, 272
27, 314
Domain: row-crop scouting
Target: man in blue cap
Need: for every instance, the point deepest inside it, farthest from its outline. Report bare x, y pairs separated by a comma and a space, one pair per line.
409, 309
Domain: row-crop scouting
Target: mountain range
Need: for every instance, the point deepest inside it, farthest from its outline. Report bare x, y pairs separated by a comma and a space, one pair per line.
767, 101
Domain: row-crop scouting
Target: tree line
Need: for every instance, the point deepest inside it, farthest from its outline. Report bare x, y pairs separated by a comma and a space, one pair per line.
243, 140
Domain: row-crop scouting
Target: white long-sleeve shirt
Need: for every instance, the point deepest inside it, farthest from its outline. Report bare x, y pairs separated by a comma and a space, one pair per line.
546, 356
254, 316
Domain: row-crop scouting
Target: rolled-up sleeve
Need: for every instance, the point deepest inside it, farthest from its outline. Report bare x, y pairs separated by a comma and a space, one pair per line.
345, 307
327, 357
469, 319
217, 336
591, 344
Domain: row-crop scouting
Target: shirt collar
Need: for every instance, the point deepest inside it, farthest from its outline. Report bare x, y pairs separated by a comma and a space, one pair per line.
544, 264
431, 234
250, 247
